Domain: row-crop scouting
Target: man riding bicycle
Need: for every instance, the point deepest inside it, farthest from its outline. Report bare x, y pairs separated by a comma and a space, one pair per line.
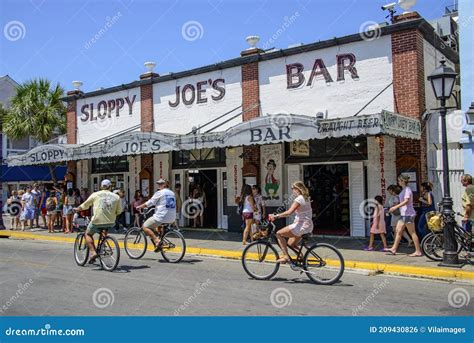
165, 211
106, 207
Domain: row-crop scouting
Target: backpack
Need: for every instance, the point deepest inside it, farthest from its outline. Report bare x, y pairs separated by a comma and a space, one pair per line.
50, 205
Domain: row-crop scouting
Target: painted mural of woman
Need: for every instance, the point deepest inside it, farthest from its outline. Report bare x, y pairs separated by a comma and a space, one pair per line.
271, 183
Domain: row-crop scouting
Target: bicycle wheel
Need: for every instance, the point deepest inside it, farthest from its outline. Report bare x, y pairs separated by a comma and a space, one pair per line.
81, 250
324, 264
173, 246
259, 260
432, 246
109, 253
135, 243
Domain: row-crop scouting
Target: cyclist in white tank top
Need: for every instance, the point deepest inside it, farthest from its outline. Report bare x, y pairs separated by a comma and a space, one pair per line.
303, 223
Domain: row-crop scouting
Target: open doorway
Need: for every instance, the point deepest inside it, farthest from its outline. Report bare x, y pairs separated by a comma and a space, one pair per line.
328, 186
205, 180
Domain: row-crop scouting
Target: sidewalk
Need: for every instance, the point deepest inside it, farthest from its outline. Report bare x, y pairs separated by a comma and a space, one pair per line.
229, 245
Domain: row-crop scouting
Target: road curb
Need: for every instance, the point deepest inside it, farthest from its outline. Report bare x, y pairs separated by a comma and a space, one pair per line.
377, 268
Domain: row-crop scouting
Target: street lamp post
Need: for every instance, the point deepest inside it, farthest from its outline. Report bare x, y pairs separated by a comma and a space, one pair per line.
442, 80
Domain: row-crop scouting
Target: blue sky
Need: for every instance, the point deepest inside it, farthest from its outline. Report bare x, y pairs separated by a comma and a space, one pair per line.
54, 39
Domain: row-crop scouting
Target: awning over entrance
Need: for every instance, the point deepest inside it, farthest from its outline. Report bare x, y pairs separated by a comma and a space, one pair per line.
267, 129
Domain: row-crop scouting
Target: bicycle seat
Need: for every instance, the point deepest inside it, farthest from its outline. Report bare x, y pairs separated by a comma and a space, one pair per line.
306, 236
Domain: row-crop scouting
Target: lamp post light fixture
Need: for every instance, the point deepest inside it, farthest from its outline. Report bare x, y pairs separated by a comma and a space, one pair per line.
470, 114
442, 80
77, 85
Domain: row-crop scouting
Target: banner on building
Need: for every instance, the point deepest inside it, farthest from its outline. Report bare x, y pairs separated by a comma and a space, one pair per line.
271, 164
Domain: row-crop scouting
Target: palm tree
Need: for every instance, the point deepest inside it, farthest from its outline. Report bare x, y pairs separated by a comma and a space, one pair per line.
37, 111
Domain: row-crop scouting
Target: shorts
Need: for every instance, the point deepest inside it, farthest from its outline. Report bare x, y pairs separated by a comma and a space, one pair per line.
28, 214
67, 210
152, 223
92, 229
43, 211
299, 229
247, 215
407, 219
50, 213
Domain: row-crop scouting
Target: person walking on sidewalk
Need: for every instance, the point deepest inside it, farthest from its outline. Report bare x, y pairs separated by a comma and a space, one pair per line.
51, 205
36, 193
407, 217
394, 191
28, 208
378, 225
137, 201
427, 205
248, 209
467, 202
105, 207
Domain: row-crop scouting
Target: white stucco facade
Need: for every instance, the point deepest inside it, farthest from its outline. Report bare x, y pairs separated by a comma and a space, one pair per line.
104, 115
343, 98
175, 116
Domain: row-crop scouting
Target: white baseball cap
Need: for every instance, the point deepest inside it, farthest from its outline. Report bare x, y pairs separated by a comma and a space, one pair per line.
161, 181
105, 183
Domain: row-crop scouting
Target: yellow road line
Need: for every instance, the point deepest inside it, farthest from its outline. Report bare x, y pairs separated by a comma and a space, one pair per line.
232, 254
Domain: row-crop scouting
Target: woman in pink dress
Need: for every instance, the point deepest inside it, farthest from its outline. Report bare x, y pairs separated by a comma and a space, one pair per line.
378, 225
303, 223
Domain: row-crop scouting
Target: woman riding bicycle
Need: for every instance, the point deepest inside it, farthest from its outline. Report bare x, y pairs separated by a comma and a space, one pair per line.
303, 223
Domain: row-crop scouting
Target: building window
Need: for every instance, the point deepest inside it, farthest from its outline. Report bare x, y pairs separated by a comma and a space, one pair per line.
110, 164
329, 149
198, 158
19, 144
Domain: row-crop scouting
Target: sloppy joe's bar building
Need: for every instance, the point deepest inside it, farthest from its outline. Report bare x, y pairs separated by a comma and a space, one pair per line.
343, 115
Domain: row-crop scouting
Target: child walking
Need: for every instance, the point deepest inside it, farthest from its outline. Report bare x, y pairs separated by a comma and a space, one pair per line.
378, 225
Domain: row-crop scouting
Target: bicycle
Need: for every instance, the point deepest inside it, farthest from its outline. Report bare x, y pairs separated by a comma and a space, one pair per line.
322, 263
432, 244
172, 243
108, 250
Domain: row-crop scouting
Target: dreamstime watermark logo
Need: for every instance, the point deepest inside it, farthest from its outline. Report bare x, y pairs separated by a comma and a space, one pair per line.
281, 120
452, 39
370, 31
22, 287
103, 297
281, 297
287, 22
192, 208
192, 30
103, 124
367, 208
109, 22
13, 208
458, 297
14, 30
456, 120
200, 287
368, 300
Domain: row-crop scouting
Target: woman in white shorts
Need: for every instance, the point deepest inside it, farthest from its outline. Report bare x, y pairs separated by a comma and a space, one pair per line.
303, 223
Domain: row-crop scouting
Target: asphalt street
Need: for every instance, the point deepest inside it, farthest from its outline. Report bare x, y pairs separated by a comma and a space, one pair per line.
42, 279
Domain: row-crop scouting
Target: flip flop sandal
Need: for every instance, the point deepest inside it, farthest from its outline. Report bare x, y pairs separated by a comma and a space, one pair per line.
390, 253
93, 259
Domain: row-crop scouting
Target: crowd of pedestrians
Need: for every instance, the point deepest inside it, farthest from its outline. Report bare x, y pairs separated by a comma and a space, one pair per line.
402, 214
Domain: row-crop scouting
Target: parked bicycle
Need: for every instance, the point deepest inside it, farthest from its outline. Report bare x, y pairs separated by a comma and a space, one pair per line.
432, 244
172, 244
108, 250
321, 262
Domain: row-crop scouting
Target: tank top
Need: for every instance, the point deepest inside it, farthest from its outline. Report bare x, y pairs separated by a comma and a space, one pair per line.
247, 205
